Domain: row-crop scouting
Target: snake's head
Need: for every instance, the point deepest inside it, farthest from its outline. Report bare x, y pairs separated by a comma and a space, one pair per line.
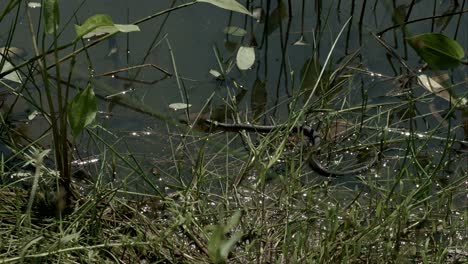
312, 134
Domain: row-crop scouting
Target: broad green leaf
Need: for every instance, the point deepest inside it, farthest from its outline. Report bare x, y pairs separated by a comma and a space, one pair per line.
104, 30
227, 246
51, 15
214, 245
179, 106
439, 51
100, 25
245, 58
231, 5
235, 31
100, 31
82, 110
111, 29
93, 23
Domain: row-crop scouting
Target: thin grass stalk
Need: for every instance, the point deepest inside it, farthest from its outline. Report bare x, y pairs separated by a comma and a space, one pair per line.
183, 92
350, 25
154, 43
53, 120
318, 25
36, 159
434, 11
11, 32
361, 20
38, 56
137, 169
11, 5
62, 103
460, 13
322, 71
459, 21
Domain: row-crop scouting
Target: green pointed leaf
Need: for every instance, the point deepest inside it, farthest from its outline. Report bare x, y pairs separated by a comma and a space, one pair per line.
228, 245
245, 58
82, 110
100, 31
51, 15
93, 23
13, 76
100, 25
231, 5
233, 221
125, 28
439, 51
235, 31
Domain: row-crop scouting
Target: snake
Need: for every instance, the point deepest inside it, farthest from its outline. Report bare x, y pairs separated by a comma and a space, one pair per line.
306, 130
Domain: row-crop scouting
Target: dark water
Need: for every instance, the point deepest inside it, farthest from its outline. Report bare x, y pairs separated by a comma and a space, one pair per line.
194, 32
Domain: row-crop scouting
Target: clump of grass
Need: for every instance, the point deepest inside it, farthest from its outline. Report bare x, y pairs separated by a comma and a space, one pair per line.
246, 197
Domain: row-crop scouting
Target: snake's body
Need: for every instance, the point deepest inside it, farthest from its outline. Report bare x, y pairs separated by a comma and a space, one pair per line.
307, 131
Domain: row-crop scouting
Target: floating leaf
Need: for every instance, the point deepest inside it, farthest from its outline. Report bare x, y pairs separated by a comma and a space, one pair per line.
102, 24
436, 88
231, 5
216, 74
13, 76
12, 52
82, 110
301, 41
34, 4
179, 106
235, 31
51, 15
33, 115
259, 14
439, 51
245, 58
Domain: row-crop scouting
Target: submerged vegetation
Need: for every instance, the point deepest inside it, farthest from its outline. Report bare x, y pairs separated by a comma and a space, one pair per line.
324, 132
